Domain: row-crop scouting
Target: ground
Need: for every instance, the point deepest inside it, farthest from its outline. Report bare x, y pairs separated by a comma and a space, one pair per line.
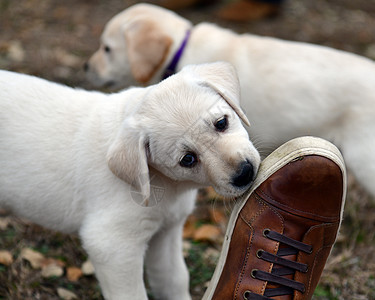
52, 39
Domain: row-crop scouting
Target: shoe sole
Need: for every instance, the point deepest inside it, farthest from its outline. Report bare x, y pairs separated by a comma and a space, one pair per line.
283, 155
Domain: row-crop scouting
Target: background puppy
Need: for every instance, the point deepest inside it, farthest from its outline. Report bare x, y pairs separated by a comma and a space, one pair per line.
289, 89
83, 161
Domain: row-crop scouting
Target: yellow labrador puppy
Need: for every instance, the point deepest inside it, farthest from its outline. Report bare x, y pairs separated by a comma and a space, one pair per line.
289, 89
123, 169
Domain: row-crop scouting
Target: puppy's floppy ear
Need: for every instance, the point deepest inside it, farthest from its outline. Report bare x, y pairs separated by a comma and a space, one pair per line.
147, 48
127, 159
222, 78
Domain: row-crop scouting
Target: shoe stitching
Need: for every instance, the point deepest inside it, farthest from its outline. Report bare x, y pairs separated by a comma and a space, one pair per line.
248, 247
239, 281
326, 225
261, 193
316, 259
260, 200
264, 207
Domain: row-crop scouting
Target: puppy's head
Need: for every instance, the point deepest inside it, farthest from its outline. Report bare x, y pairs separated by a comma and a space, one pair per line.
135, 45
188, 128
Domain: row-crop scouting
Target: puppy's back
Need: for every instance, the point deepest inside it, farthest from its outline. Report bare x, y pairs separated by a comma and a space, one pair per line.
39, 121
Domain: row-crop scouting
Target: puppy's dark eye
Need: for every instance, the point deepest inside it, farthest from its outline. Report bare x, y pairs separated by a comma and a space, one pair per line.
222, 124
107, 49
189, 160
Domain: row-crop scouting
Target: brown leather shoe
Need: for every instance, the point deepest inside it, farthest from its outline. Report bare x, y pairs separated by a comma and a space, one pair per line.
248, 10
182, 4
281, 233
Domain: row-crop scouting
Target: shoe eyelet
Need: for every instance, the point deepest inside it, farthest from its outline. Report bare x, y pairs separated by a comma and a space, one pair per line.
253, 273
259, 253
246, 294
266, 232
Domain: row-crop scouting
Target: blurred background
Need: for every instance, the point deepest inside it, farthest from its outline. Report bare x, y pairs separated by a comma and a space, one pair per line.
53, 39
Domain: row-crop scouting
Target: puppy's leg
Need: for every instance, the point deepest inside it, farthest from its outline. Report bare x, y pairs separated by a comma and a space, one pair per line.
165, 266
357, 150
116, 250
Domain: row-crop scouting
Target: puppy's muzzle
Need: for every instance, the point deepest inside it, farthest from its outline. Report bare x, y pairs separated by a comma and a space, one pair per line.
245, 175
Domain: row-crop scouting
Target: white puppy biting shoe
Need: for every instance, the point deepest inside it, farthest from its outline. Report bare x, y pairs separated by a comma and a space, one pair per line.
123, 169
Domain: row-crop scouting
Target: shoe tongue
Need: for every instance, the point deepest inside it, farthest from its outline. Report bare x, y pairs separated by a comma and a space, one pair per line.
309, 187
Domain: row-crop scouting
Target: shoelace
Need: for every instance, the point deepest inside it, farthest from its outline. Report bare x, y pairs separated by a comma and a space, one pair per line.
288, 267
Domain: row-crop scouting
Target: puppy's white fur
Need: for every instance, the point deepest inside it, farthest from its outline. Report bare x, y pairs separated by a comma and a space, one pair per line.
74, 160
289, 89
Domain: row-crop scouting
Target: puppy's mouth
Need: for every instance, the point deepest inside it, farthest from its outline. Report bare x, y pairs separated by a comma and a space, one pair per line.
233, 192
109, 84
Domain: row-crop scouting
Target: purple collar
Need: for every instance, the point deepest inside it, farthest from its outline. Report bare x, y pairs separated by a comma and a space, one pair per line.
171, 69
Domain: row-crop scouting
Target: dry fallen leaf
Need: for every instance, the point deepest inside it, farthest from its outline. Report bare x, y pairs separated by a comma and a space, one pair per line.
51, 261
66, 294
208, 232
189, 227
73, 273
66, 58
33, 257
6, 257
52, 270
88, 268
4, 223
16, 52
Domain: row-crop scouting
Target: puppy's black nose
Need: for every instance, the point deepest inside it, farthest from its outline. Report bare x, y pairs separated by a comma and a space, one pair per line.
86, 67
244, 175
